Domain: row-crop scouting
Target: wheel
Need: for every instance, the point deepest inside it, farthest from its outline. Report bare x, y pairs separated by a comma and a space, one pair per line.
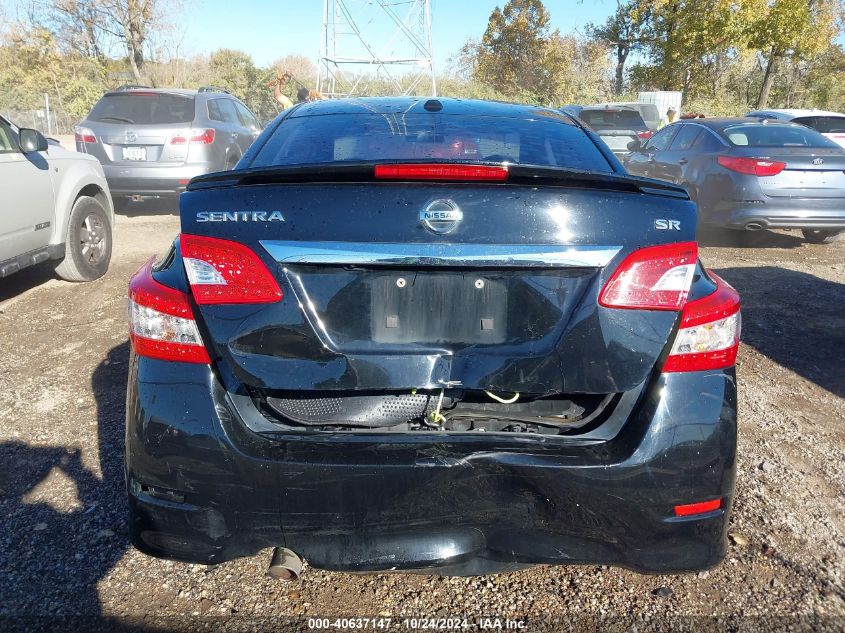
88, 244
820, 236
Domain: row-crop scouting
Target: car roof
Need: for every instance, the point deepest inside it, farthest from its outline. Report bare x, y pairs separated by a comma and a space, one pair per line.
611, 106
405, 105
184, 92
174, 91
620, 104
719, 124
797, 112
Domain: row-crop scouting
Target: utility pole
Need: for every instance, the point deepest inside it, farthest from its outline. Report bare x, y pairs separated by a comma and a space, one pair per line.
47, 108
385, 41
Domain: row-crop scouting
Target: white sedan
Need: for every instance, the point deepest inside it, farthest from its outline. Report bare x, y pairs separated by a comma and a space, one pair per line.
56, 207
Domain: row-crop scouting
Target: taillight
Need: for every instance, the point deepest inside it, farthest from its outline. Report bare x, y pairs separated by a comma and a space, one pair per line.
84, 135
437, 171
222, 271
161, 323
203, 137
751, 166
652, 278
708, 337
645, 135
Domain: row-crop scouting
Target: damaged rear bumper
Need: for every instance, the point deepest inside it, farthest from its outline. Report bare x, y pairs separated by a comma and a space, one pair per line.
203, 488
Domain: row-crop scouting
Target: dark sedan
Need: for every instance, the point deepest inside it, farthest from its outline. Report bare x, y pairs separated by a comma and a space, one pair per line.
751, 174
440, 335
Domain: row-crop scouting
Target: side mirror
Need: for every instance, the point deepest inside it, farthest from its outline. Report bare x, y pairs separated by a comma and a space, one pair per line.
32, 141
635, 146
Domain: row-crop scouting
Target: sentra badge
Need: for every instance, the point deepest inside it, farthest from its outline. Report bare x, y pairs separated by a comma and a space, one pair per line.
240, 216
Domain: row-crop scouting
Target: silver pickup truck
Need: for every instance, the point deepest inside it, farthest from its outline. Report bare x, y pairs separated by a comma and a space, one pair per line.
55, 206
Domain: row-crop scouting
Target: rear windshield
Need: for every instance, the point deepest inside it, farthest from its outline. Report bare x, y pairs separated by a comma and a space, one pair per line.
824, 124
428, 136
612, 119
767, 135
143, 109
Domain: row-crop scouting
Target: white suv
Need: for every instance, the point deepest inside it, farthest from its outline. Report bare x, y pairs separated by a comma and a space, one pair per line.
829, 124
56, 207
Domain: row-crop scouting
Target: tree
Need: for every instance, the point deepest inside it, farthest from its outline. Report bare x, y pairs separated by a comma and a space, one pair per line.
689, 44
76, 21
520, 58
92, 27
131, 21
236, 72
624, 31
790, 28
512, 50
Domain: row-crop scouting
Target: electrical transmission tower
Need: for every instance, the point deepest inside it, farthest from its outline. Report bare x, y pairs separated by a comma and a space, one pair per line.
376, 47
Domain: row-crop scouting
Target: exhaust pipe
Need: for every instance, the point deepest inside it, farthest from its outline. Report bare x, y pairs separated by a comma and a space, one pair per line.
754, 226
285, 565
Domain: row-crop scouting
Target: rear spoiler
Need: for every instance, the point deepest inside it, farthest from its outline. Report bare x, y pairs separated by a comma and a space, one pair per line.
532, 175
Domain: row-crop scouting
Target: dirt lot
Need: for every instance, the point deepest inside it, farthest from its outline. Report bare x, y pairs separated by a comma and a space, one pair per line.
63, 545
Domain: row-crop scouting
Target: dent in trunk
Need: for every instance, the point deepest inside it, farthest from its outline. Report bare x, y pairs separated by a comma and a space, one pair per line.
520, 331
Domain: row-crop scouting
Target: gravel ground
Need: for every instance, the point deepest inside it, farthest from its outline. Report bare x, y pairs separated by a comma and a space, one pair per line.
63, 544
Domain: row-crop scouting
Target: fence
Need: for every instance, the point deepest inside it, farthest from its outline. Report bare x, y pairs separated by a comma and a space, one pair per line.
37, 120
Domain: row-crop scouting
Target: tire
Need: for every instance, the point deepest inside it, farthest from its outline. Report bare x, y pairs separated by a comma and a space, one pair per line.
820, 236
88, 244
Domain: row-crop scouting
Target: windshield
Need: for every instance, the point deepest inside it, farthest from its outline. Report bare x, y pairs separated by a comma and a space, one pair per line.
428, 136
148, 108
613, 119
769, 135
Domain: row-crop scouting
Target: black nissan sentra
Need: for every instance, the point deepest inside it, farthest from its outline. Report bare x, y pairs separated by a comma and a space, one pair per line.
440, 335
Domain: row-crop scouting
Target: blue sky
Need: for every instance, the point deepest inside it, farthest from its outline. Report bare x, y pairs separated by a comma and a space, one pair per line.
269, 29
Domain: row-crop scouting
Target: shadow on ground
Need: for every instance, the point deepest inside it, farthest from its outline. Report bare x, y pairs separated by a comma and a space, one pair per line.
796, 319
28, 278
727, 238
53, 552
167, 206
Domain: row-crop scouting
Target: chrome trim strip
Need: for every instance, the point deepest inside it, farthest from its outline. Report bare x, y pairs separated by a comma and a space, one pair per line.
416, 254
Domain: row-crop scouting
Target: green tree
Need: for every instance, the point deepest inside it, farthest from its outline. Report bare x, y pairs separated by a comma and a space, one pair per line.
790, 28
624, 31
236, 71
513, 54
689, 44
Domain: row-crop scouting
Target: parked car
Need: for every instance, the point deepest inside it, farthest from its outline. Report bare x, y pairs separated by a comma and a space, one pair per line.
648, 111
450, 335
151, 142
616, 126
830, 124
56, 207
751, 174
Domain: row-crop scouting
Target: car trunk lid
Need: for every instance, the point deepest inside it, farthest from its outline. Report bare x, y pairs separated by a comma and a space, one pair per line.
506, 300
808, 173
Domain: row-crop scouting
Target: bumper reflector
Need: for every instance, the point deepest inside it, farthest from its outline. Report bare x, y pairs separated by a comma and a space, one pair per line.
702, 507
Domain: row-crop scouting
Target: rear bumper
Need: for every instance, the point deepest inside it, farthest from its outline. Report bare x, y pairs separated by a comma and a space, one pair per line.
795, 214
202, 488
151, 182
